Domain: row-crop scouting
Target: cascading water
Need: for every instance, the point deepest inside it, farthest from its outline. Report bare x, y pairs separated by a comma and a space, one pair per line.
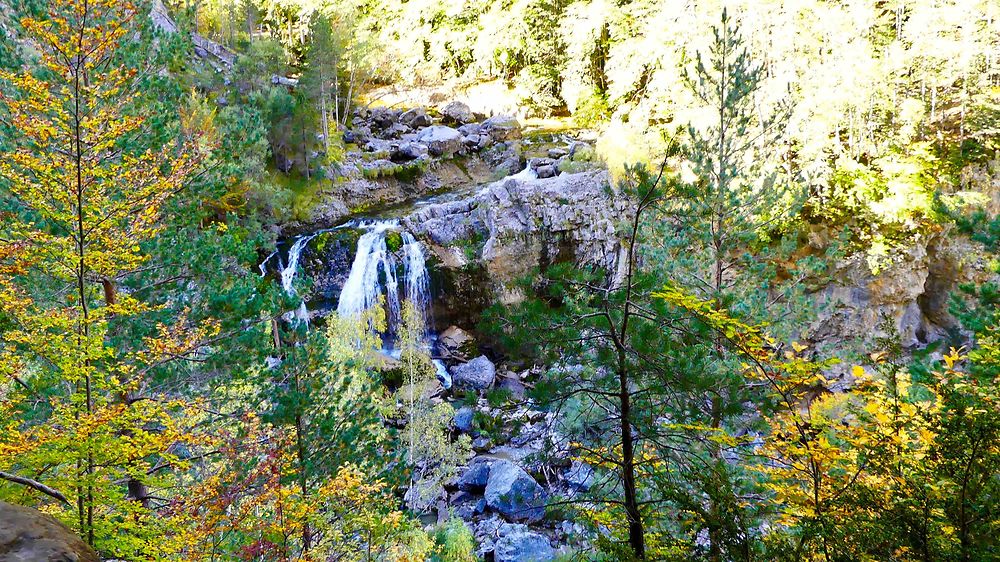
288, 272
374, 275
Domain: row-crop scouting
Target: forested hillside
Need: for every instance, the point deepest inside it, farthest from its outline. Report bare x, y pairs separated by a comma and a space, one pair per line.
508, 280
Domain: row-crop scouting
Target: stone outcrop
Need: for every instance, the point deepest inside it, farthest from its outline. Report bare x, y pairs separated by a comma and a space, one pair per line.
906, 299
28, 535
525, 224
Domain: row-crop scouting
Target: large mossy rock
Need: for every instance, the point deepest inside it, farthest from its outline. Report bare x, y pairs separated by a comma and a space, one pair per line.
27, 535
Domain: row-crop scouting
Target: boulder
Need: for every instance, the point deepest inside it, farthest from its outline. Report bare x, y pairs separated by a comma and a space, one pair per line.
502, 128
475, 478
514, 493
384, 117
517, 543
556, 153
416, 117
441, 140
28, 535
409, 151
463, 419
457, 112
457, 343
470, 129
513, 384
477, 374
472, 141
546, 171
580, 476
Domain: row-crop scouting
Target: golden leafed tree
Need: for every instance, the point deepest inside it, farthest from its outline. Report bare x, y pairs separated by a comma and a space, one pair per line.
83, 192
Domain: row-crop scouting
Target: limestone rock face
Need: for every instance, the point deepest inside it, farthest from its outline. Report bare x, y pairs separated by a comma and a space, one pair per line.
27, 535
905, 299
514, 493
526, 224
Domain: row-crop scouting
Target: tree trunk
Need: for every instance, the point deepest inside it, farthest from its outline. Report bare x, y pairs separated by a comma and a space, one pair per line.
636, 536
322, 112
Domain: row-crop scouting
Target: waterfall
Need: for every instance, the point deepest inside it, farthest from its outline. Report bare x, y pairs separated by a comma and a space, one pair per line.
418, 291
288, 272
374, 274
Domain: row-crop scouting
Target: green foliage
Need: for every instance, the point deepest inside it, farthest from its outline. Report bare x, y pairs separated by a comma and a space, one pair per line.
455, 542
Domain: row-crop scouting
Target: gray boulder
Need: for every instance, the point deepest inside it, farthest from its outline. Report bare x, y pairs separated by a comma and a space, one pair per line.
477, 374
463, 419
441, 140
457, 112
475, 478
502, 128
519, 544
580, 476
514, 493
546, 171
28, 535
416, 117
470, 129
409, 151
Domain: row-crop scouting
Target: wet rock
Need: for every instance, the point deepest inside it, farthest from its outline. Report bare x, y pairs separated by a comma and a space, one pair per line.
463, 419
556, 153
475, 478
415, 118
514, 493
477, 374
28, 535
517, 543
502, 128
441, 140
457, 112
